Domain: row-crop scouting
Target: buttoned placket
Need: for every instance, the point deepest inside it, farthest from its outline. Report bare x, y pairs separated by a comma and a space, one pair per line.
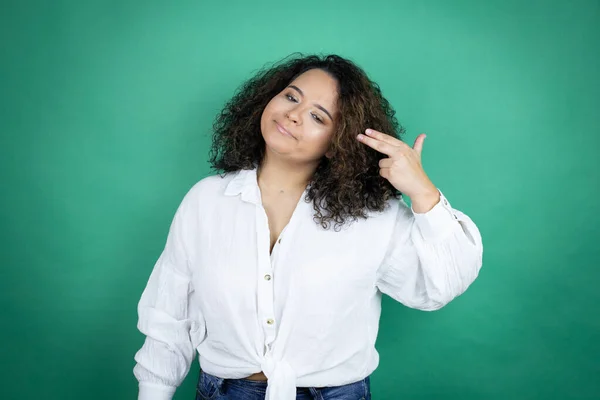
265, 294
268, 277
266, 273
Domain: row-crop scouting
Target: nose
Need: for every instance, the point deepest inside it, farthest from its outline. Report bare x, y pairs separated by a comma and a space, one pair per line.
293, 116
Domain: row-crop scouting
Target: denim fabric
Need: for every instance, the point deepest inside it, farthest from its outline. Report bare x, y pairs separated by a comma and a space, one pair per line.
210, 387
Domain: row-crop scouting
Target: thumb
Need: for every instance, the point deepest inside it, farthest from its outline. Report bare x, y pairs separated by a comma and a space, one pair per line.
418, 146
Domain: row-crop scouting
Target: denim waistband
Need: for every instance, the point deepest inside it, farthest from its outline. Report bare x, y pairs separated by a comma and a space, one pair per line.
217, 384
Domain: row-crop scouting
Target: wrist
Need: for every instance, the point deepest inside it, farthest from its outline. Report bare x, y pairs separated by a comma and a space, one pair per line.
423, 203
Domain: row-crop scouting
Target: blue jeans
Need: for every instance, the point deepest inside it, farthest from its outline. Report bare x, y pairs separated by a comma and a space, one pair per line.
211, 387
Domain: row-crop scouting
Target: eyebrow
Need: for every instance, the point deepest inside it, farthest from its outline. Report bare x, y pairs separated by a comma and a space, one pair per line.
316, 105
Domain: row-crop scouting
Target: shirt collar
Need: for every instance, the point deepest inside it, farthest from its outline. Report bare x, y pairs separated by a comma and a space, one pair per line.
245, 183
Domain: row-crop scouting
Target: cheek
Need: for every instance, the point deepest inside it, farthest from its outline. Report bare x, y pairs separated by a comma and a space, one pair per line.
267, 109
267, 114
320, 137
275, 104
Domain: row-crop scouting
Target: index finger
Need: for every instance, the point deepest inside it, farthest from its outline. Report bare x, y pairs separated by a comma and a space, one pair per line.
385, 137
378, 145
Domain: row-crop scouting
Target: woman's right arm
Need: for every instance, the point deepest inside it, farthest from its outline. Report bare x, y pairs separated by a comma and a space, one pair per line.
172, 329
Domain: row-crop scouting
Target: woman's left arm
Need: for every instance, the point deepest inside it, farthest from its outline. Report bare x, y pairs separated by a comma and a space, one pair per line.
435, 252
432, 257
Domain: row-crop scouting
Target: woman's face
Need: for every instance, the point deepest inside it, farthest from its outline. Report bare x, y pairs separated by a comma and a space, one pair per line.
298, 122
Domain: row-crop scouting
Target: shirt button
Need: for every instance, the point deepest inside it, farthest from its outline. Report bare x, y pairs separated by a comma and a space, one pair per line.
267, 277
445, 202
270, 321
279, 241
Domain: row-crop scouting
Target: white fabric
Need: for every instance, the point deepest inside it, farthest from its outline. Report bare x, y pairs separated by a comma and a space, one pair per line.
208, 291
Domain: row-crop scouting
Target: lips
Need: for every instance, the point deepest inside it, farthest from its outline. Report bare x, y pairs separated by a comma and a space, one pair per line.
284, 131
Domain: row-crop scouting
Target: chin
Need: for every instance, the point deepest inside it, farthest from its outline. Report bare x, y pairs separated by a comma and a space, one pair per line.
277, 143
278, 146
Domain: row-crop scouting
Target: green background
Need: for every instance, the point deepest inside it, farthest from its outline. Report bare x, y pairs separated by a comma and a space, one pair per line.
105, 119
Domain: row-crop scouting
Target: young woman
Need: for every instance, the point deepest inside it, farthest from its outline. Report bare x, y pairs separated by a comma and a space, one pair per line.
273, 270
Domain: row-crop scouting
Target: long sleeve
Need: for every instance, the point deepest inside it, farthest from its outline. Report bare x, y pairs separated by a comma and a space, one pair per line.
431, 258
172, 326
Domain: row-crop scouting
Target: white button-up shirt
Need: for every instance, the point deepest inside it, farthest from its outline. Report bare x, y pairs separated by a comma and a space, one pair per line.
306, 314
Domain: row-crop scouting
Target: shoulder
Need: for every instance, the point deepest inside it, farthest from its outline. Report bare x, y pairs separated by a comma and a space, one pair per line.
212, 184
393, 209
380, 221
208, 189
396, 212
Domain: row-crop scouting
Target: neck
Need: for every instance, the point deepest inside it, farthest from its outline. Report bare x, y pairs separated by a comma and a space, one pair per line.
282, 176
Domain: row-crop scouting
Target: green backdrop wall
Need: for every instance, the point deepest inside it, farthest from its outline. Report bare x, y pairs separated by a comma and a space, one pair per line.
106, 112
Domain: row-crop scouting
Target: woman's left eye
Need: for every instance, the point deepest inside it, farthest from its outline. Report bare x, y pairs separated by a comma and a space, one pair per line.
316, 117
290, 97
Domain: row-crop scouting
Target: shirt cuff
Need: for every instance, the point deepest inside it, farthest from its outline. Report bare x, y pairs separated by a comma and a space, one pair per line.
438, 222
155, 391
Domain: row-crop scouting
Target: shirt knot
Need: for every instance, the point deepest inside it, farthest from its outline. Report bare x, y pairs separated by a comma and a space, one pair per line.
281, 379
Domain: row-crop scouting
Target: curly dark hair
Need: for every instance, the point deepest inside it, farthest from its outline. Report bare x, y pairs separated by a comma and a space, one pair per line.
343, 186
